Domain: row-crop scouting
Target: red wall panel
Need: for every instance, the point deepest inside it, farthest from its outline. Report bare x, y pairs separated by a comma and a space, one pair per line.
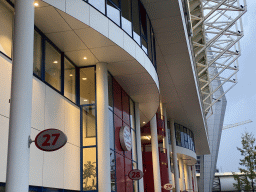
120, 174
123, 158
117, 99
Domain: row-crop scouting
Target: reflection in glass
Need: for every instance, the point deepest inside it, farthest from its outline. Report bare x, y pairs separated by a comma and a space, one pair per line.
2, 188
98, 4
89, 169
89, 126
87, 85
149, 39
113, 13
178, 136
110, 92
111, 130
37, 54
52, 66
69, 80
143, 21
144, 45
126, 16
113, 170
184, 137
6, 20
136, 21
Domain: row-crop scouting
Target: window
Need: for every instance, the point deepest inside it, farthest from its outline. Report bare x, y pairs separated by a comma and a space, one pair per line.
98, 4
126, 16
69, 80
88, 131
52, 66
6, 20
89, 169
37, 54
113, 11
87, 86
136, 21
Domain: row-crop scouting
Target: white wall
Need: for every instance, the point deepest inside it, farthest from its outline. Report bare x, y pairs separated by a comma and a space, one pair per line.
59, 169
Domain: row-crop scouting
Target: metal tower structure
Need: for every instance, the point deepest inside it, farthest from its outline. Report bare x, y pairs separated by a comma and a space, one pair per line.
217, 28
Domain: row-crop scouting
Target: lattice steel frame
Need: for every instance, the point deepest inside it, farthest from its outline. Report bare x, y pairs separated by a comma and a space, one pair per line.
217, 29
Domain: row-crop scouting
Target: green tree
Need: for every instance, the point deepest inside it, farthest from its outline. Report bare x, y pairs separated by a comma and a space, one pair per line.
247, 179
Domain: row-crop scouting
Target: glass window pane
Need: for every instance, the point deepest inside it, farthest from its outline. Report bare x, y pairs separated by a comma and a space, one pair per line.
113, 170
149, 39
110, 92
87, 85
69, 80
89, 169
134, 146
113, 13
98, 4
6, 20
126, 16
136, 21
89, 126
52, 66
178, 136
143, 21
2, 188
116, 2
144, 45
37, 54
111, 130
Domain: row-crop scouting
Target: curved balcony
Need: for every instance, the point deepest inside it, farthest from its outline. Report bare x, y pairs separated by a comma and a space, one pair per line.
81, 30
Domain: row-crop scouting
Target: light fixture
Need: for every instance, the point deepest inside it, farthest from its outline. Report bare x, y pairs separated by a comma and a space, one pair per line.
71, 75
55, 61
85, 58
144, 122
148, 137
85, 100
84, 78
36, 4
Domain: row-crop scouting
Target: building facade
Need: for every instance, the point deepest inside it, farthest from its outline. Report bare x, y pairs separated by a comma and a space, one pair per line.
100, 67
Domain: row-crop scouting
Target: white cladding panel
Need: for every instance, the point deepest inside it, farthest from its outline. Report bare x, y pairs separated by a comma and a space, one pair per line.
36, 162
59, 169
4, 124
5, 86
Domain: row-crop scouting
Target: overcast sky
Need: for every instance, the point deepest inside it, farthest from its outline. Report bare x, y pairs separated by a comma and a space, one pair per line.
241, 100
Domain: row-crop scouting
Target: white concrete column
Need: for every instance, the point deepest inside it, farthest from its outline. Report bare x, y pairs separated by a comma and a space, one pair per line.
167, 144
190, 179
174, 156
138, 136
186, 176
104, 179
182, 176
194, 178
155, 155
17, 176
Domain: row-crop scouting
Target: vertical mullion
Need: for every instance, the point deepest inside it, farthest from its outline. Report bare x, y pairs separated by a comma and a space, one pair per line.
106, 2
132, 19
140, 23
120, 9
77, 86
43, 58
62, 74
81, 148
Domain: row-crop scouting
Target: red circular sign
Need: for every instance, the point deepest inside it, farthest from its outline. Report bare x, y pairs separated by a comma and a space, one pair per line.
135, 174
50, 140
168, 186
